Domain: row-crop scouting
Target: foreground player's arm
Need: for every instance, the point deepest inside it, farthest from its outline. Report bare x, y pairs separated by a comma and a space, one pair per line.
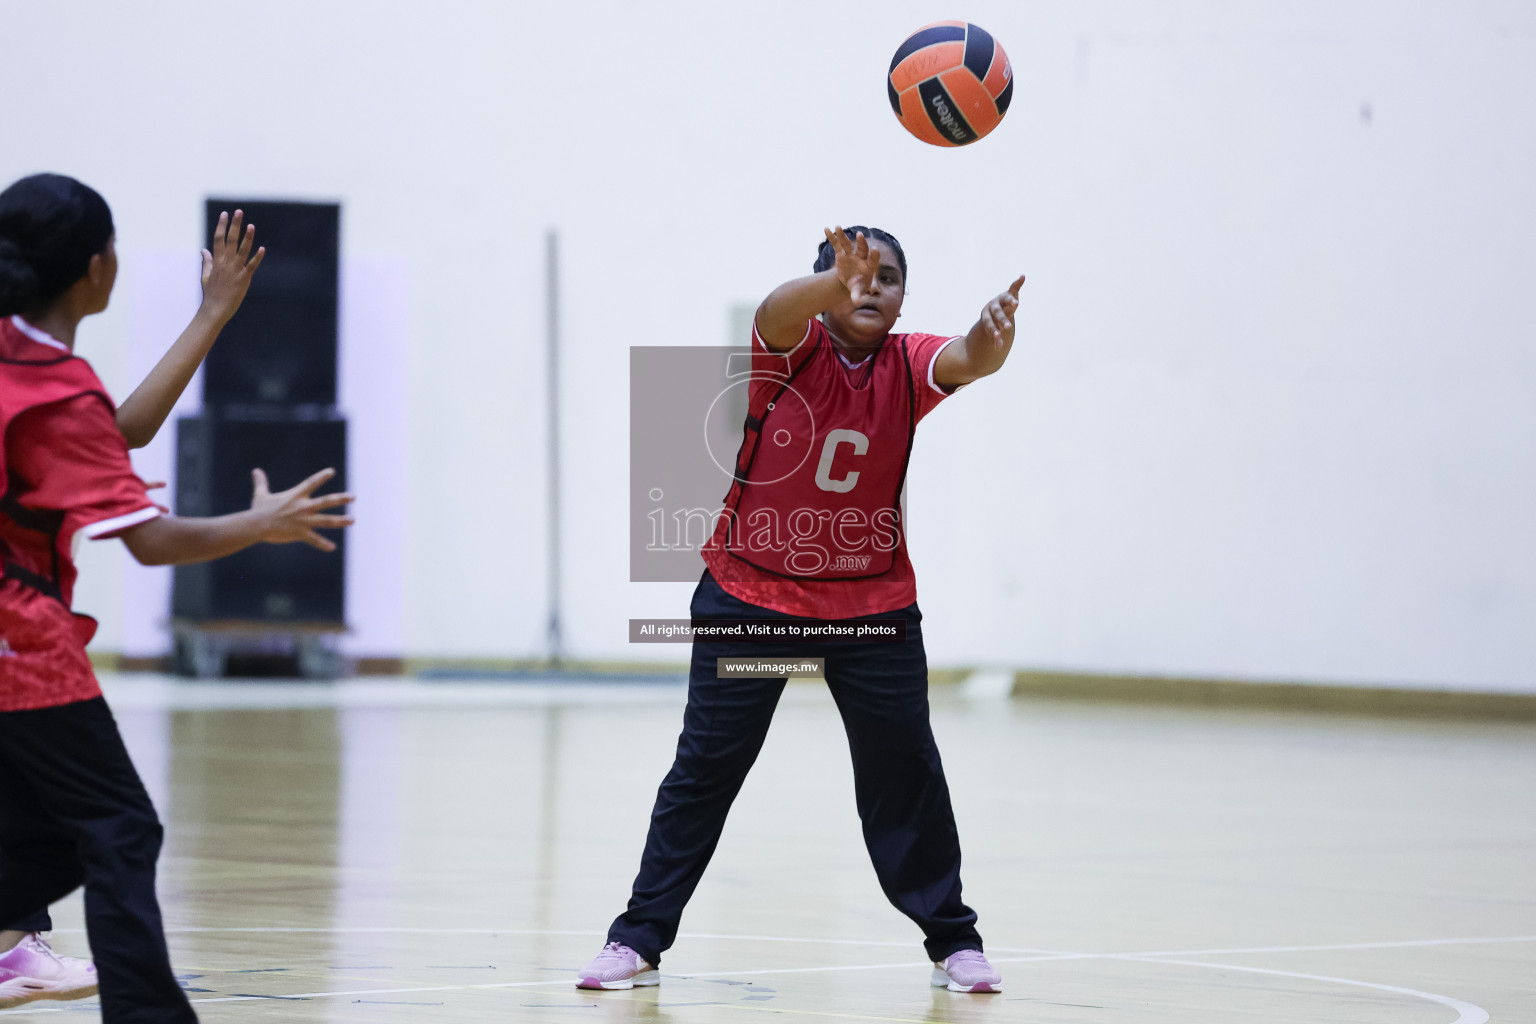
782, 317
281, 518
227, 271
983, 350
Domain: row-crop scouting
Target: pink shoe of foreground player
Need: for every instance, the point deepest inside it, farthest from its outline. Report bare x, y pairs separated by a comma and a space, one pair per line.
967, 971
32, 970
616, 967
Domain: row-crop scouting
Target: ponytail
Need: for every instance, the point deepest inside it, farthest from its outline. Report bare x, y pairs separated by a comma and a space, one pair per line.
18, 281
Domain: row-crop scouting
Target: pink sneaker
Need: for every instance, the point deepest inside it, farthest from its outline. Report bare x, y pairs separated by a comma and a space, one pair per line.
32, 970
967, 971
617, 966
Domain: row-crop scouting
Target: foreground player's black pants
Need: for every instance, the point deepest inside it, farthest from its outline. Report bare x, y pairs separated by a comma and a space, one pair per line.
881, 690
38, 922
73, 812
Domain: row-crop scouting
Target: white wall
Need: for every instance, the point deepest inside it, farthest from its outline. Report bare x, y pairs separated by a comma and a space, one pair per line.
1274, 409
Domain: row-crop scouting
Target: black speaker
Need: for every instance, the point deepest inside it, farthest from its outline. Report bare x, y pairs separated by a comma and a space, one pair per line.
215, 453
280, 348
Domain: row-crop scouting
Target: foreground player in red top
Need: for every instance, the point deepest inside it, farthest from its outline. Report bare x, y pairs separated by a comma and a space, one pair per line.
813, 529
72, 808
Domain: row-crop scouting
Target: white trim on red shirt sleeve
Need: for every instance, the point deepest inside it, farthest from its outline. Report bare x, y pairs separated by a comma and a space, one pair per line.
809, 324
934, 362
100, 529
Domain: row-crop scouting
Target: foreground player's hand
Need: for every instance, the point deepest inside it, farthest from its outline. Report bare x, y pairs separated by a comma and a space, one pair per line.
294, 515
997, 315
856, 263
228, 266
156, 485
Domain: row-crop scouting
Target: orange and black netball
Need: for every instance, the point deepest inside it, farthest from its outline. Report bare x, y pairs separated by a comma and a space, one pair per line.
950, 83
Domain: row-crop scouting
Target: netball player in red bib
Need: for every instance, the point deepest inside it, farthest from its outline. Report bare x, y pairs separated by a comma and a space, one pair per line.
813, 529
72, 809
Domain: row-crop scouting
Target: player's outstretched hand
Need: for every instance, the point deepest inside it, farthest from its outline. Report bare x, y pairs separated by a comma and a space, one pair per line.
293, 515
997, 315
228, 267
156, 485
857, 265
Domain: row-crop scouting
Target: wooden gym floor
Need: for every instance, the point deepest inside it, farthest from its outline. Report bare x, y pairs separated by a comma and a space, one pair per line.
384, 851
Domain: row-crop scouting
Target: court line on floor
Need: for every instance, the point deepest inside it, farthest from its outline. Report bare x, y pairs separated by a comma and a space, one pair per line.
824, 1013
446, 988
1328, 947
299, 996
163, 694
1468, 1013
360, 930
1398, 944
797, 970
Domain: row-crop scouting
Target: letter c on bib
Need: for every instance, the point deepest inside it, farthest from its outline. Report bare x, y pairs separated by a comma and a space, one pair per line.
829, 450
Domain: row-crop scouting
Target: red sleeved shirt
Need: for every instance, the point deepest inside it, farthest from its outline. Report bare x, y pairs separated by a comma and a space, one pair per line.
70, 479
836, 599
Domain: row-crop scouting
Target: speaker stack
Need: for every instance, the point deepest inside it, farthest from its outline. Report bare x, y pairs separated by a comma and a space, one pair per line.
269, 402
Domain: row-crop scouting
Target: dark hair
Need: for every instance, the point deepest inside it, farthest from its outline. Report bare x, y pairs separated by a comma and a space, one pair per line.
50, 227
825, 256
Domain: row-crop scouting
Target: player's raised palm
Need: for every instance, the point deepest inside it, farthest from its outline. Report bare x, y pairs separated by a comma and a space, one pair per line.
856, 264
228, 266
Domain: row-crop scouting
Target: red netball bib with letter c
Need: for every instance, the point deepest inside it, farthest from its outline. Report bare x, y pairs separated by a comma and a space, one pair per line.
817, 489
